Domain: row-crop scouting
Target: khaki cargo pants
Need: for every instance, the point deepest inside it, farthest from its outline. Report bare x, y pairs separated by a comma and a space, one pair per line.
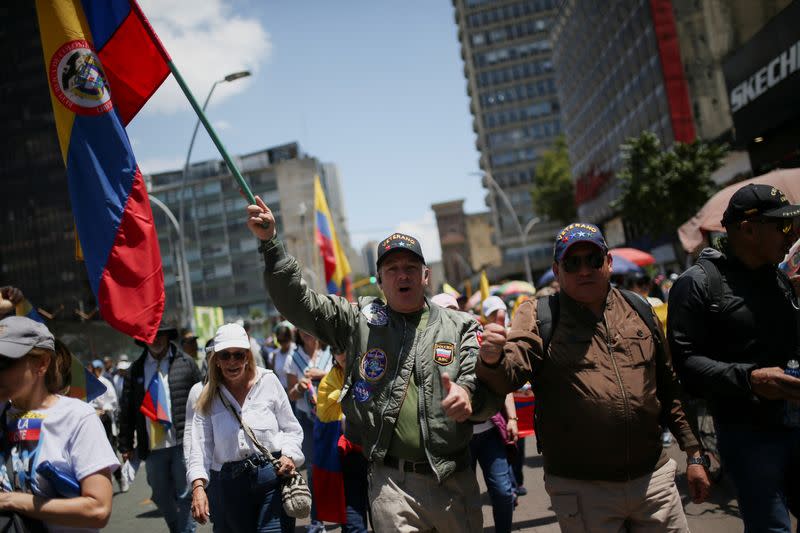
646, 504
409, 502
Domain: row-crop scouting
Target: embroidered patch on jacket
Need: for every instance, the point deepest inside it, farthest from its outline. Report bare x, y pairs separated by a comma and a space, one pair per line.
362, 391
373, 365
443, 353
376, 314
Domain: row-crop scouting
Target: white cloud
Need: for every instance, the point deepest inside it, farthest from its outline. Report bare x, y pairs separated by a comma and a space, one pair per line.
426, 231
221, 125
207, 41
154, 165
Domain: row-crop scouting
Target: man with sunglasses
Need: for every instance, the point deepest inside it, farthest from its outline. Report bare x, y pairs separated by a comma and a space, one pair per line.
733, 327
603, 380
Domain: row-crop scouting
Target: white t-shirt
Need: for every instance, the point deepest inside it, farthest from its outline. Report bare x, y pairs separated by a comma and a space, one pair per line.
69, 435
217, 437
323, 361
278, 362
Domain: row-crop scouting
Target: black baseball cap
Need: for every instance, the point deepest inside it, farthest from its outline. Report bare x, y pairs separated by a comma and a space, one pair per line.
758, 200
575, 233
398, 241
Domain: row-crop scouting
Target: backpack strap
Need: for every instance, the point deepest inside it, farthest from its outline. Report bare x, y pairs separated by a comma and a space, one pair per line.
644, 310
714, 282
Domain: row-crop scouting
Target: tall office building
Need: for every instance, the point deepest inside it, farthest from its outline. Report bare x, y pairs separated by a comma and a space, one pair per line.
511, 83
225, 267
628, 66
37, 243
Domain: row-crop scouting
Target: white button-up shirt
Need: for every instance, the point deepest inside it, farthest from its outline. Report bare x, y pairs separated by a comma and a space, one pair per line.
217, 437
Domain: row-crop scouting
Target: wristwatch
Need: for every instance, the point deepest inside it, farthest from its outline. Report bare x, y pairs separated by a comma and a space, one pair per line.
702, 460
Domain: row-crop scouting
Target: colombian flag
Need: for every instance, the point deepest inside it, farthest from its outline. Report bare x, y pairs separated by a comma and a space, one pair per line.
83, 385
103, 62
337, 268
24, 308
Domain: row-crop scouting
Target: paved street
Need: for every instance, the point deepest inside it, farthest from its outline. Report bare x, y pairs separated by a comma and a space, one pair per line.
133, 512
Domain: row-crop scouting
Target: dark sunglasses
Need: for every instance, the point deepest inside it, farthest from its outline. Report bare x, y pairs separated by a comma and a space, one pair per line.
224, 356
784, 225
594, 261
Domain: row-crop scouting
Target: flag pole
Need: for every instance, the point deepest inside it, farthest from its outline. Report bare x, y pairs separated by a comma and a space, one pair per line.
197, 109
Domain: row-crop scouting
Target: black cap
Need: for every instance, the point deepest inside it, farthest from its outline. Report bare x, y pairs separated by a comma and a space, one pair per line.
757, 200
398, 241
165, 327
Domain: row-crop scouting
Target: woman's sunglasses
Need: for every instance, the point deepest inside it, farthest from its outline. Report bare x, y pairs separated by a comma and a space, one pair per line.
594, 261
238, 356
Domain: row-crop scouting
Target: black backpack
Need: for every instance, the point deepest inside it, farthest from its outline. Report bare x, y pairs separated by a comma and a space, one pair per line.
547, 311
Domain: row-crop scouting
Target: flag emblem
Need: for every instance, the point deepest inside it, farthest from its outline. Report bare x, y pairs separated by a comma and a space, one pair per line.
443, 353
78, 80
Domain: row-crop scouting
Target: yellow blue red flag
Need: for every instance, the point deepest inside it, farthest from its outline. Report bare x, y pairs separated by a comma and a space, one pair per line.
337, 267
103, 62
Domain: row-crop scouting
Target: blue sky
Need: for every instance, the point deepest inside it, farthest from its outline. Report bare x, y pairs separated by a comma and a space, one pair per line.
375, 87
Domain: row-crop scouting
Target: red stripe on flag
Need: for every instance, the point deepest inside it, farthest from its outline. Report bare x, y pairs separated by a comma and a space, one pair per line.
134, 65
131, 294
329, 495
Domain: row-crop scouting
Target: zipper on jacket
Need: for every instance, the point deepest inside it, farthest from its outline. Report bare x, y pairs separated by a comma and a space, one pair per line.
624, 399
386, 406
423, 421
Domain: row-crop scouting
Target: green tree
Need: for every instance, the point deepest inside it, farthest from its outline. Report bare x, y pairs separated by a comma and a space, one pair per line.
553, 192
662, 189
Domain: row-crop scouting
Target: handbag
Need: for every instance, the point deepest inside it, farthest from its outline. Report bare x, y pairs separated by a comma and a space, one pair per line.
295, 494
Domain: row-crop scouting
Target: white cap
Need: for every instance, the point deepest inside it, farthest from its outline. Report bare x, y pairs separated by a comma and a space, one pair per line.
492, 304
123, 365
445, 300
231, 336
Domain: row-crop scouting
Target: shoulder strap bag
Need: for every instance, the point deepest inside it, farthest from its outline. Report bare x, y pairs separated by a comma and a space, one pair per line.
295, 494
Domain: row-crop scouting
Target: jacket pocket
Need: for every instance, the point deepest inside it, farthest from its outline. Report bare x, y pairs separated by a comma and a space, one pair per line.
572, 351
638, 344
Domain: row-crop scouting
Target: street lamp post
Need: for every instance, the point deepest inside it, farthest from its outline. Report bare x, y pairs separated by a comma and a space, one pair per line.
183, 265
522, 233
182, 191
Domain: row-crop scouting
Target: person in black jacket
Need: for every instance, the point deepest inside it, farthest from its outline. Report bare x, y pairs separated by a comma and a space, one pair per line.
162, 371
732, 328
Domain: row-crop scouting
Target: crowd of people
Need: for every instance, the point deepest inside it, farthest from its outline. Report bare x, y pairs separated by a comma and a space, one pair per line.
389, 404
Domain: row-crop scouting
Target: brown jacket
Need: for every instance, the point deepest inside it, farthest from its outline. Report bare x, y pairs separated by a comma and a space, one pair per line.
602, 388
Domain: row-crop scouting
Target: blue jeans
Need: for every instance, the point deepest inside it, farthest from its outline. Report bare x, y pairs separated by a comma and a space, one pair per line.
354, 471
764, 465
489, 450
166, 475
307, 424
245, 496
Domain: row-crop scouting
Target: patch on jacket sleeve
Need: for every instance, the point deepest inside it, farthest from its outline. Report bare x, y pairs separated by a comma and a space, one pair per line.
362, 391
376, 314
373, 365
443, 353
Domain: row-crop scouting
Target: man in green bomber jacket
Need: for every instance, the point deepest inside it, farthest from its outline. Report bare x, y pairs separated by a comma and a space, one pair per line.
410, 390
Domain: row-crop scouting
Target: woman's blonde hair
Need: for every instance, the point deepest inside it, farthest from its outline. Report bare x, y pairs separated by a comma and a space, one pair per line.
215, 378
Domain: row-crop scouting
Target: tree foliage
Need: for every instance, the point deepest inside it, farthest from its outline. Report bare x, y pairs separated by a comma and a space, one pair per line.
662, 189
553, 192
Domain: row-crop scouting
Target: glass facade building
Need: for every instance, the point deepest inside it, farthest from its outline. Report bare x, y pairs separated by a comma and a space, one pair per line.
507, 53
37, 243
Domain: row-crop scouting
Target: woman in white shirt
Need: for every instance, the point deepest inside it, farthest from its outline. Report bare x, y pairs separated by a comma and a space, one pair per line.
243, 486
61, 461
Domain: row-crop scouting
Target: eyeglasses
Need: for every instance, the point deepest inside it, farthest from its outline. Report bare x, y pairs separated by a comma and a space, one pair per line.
238, 356
574, 263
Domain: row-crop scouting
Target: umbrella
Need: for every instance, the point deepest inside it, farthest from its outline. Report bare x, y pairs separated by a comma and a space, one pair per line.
709, 217
621, 265
515, 288
633, 255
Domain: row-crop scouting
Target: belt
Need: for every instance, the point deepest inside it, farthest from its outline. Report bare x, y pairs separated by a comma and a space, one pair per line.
422, 467
234, 469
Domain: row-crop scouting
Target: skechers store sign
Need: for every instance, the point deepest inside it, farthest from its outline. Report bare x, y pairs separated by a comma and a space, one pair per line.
763, 76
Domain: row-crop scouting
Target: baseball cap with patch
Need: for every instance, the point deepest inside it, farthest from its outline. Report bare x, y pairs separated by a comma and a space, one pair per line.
758, 200
398, 241
575, 233
19, 334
